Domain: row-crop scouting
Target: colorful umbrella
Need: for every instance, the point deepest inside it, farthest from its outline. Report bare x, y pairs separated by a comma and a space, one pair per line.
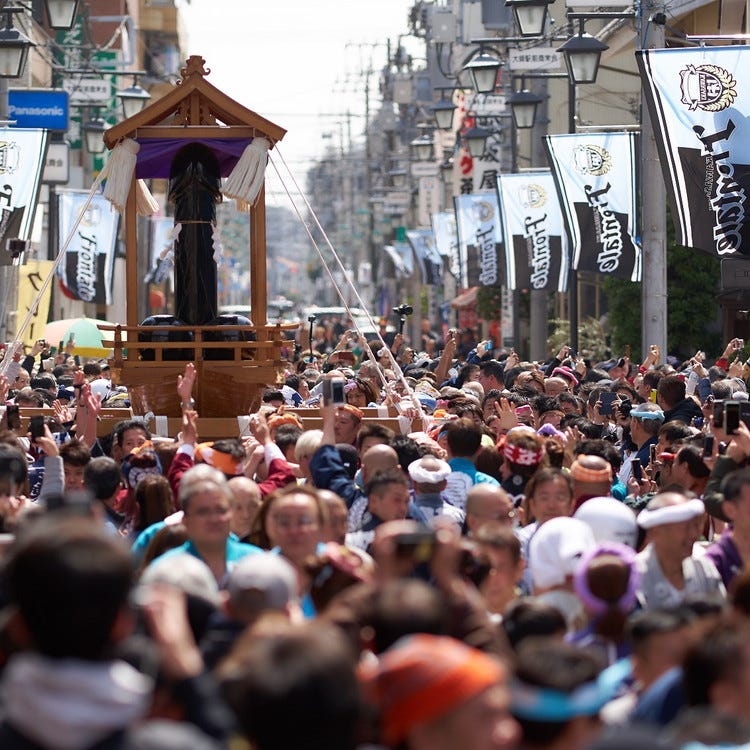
87, 338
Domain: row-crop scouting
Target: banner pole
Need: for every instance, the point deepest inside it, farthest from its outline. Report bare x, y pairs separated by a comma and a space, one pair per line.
653, 208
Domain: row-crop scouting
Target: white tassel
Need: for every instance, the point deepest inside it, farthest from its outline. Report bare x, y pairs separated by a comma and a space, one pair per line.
120, 169
145, 203
246, 179
218, 247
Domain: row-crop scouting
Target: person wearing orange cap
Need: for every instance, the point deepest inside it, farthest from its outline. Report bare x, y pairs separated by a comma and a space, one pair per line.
436, 693
228, 456
347, 423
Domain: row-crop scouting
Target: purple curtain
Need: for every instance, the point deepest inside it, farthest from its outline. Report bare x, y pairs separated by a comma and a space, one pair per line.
156, 154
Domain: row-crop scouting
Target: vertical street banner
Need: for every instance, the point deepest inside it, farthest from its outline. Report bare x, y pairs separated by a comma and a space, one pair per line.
426, 255
596, 179
22, 152
402, 257
536, 249
446, 239
86, 270
31, 277
480, 240
699, 102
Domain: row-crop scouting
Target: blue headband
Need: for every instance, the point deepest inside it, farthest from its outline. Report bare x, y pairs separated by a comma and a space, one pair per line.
647, 414
543, 704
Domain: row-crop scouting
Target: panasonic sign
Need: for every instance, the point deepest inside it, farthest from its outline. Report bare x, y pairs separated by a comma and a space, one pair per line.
38, 108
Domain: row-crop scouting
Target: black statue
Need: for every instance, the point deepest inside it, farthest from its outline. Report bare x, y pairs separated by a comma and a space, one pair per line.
195, 189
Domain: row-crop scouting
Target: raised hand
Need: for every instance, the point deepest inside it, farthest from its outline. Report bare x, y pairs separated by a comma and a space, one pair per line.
185, 383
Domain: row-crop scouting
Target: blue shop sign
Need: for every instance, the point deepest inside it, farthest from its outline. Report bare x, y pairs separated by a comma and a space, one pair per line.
38, 108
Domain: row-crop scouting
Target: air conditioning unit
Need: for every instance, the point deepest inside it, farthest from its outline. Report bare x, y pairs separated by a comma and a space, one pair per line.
735, 273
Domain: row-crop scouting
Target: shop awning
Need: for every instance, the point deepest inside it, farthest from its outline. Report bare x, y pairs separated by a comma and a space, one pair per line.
465, 299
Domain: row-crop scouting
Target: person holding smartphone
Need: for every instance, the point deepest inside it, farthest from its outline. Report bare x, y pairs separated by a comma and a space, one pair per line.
645, 421
672, 398
731, 350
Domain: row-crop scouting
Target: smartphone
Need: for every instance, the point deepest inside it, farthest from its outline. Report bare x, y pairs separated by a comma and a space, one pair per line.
636, 469
731, 416
652, 455
708, 446
607, 398
652, 396
489, 346
36, 427
718, 415
573, 354
12, 417
333, 392
417, 546
739, 344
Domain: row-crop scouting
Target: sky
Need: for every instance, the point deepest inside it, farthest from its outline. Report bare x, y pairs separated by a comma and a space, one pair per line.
301, 63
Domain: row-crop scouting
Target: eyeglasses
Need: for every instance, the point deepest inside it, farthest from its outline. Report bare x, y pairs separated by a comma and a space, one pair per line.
286, 522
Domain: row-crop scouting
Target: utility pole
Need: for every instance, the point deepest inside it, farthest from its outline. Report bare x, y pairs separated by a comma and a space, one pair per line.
653, 205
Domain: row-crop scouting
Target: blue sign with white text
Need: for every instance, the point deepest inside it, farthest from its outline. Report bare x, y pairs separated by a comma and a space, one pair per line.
38, 108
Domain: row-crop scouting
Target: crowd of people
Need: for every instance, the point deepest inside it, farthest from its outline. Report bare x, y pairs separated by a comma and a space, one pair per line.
473, 550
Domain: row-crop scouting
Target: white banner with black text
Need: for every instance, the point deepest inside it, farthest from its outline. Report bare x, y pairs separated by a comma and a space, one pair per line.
86, 271
480, 240
535, 243
22, 152
699, 108
596, 179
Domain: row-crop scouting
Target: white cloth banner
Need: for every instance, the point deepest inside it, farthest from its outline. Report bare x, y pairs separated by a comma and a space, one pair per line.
536, 249
596, 179
426, 256
446, 239
699, 102
86, 271
22, 152
480, 240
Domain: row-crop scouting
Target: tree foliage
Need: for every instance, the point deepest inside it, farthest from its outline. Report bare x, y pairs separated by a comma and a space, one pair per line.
692, 310
591, 338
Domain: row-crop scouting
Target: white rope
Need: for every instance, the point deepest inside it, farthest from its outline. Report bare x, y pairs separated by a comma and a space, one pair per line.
5, 364
366, 348
395, 366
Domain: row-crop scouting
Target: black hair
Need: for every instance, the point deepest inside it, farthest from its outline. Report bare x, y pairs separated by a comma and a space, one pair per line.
308, 674
43, 381
525, 618
718, 656
13, 464
69, 579
406, 449
274, 395
293, 381
556, 665
102, 477
732, 484
75, 453
121, 428
464, 437
403, 607
286, 436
